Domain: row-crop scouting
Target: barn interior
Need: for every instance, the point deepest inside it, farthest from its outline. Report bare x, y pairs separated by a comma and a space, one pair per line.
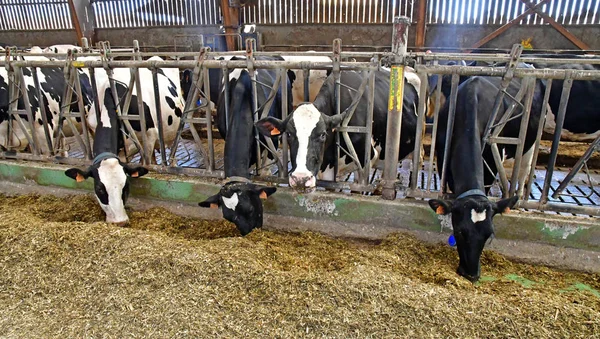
362, 255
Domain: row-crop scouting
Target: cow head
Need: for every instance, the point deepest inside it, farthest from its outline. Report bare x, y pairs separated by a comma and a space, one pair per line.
307, 130
111, 185
241, 204
472, 225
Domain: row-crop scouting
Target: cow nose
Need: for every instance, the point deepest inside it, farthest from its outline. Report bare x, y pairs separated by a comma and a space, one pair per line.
122, 223
302, 180
472, 278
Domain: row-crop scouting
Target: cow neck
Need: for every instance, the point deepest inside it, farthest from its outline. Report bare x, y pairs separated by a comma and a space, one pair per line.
237, 179
470, 193
466, 161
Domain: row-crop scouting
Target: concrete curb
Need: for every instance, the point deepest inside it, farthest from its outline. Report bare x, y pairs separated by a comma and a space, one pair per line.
327, 212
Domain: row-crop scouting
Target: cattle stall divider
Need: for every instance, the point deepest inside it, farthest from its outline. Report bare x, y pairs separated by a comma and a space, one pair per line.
425, 65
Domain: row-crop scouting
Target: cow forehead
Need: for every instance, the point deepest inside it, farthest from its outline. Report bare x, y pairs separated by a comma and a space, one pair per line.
306, 118
110, 173
231, 202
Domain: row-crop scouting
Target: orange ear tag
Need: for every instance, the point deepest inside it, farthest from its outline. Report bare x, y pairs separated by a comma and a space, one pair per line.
440, 210
135, 174
506, 210
214, 206
275, 131
79, 178
263, 195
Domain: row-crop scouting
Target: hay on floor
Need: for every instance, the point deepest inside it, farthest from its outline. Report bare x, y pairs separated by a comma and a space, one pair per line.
66, 273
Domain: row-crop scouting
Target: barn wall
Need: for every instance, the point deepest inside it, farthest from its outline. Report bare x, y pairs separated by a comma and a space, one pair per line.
543, 37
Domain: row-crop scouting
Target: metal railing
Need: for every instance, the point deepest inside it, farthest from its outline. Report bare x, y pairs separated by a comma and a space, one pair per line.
195, 115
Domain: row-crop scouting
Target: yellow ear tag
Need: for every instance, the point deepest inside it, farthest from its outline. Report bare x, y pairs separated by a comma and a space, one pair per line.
79, 178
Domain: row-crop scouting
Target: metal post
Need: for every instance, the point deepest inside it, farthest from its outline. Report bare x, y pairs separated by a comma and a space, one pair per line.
394, 122
306, 75
436, 119
252, 72
159, 121
538, 138
42, 107
419, 132
336, 59
284, 113
23, 89
560, 119
364, 177
209, 136
530, 82
449, 131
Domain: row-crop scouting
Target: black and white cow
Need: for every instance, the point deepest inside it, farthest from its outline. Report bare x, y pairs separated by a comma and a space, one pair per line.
309, 127
582, 117
239, 199
111, 176
468, 177
171, 103
52, 85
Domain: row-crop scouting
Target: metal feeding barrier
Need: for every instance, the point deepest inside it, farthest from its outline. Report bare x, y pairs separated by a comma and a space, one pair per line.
425, 181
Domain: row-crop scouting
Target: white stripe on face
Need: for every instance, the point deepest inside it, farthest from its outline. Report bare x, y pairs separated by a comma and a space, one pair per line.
305, 119
232, 202
477, 216
113, 177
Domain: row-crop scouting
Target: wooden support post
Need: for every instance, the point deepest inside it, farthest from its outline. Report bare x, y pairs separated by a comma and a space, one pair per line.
421, 15
231, 23
85, 26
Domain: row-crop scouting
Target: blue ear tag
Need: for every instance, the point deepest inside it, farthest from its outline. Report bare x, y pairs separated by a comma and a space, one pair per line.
451, 240
199, 102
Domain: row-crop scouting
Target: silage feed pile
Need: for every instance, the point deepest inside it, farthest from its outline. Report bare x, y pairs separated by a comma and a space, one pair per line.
65, 273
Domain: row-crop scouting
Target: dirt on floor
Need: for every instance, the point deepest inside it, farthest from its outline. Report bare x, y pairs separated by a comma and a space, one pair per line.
66, 273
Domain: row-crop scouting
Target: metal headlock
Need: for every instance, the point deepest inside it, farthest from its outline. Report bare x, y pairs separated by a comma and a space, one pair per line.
195, 114
199, 80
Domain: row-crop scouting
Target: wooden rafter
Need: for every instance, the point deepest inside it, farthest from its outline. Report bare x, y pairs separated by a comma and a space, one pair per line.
421, 15
509, 24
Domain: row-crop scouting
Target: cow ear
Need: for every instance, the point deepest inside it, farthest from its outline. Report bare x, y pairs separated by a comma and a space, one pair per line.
334, 121
265, 191
270, 126
135, 172
211, 202
504, 206
77, 174
440, 207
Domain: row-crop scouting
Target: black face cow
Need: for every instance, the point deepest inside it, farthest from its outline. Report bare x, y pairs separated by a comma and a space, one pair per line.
111, 177
309, 127
239, 199
472, 212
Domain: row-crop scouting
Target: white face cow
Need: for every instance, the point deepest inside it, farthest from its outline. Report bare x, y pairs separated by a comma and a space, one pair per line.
111, 185
307, 129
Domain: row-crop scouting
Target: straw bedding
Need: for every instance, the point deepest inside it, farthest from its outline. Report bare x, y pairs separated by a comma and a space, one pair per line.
65, 273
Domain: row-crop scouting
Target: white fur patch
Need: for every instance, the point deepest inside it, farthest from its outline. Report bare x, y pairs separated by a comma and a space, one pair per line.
113, 177
477, 216
232, 202
305, 119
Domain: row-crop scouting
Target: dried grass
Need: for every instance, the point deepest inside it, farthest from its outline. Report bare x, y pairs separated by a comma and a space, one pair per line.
65, 273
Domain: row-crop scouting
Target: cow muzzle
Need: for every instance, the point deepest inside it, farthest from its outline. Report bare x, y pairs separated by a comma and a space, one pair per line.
303, 182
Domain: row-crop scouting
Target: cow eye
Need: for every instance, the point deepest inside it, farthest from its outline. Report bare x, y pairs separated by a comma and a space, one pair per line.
323, 136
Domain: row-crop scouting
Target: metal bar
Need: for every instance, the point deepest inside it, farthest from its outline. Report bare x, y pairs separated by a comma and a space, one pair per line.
252, 72
27, 104
284, 113
594, 146
306, 74
159, 122
419, 132
538, 138
559, 207
336, 61
394, 122
449, 130
209, 136
42, 107
84, 127
560, 119
436, 119
530, 84
226, 96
